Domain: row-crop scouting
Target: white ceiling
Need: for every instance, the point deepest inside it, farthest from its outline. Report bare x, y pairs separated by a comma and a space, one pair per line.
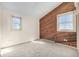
35, 9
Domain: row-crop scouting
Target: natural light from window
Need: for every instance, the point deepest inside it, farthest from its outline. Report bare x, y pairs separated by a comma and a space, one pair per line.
16, 23
65, 21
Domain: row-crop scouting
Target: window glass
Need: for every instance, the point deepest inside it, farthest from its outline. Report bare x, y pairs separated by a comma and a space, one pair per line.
16, 23
65, 21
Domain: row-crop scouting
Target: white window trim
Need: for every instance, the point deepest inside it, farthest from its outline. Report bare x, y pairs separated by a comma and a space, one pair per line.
74, 22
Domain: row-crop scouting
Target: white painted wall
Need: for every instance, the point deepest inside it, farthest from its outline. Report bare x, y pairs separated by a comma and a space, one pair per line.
30, 29
0, 25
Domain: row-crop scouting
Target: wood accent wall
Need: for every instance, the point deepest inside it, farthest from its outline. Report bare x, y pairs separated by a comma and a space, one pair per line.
48, 23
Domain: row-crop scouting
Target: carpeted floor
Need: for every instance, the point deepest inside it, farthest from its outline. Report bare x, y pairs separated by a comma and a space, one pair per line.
40, 48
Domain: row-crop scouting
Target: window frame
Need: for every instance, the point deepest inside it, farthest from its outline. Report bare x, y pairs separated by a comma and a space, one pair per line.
74, 22
12, 23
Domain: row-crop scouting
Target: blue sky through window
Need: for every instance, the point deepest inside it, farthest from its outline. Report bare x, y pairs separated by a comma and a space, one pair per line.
66, 21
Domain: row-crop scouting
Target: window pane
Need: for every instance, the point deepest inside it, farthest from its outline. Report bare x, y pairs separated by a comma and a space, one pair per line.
69, 18
62, 19
61, 26
65, 21
69, 26
16, 20
16, 23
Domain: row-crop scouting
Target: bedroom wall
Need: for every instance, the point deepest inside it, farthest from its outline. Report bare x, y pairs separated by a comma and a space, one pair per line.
48, 24
0, 24
30, 29
77, 14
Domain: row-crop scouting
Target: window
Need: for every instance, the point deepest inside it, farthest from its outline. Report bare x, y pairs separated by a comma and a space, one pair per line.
65, 22
16, 23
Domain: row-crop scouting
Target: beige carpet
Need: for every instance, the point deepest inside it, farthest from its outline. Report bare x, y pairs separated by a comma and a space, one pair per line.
39, 48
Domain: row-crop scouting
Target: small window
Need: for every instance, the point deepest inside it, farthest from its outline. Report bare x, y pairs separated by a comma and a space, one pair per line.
65, 22
16, 23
